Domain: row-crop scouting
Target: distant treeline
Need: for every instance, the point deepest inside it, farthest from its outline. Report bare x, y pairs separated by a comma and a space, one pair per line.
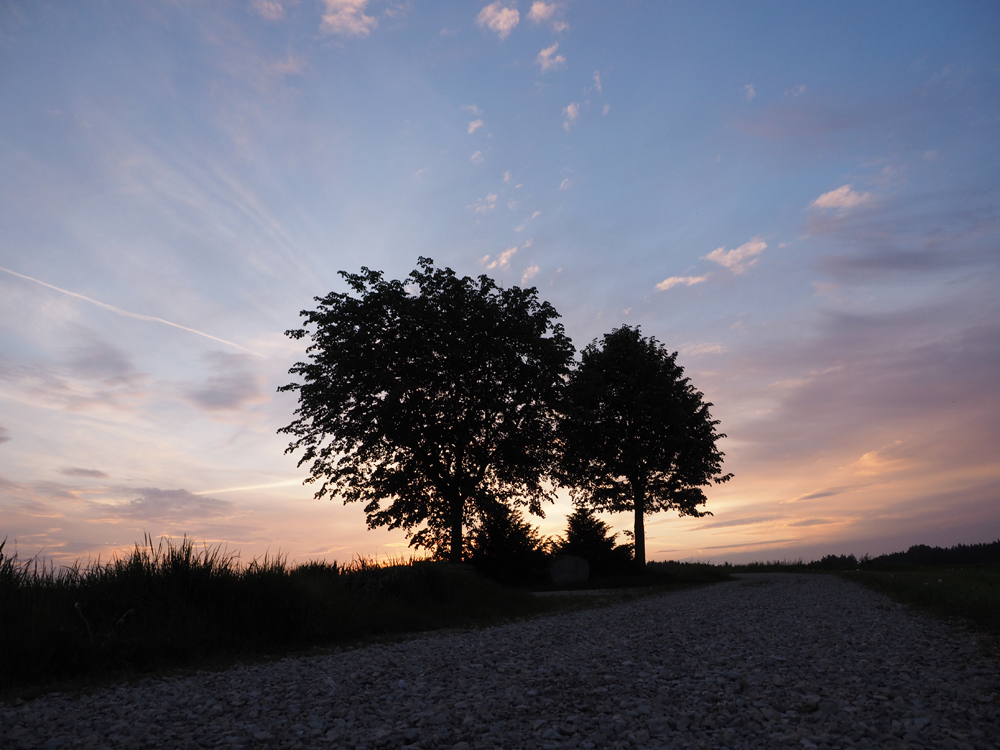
918, 554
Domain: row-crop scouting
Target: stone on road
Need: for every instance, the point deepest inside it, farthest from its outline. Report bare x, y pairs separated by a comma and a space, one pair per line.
765, 661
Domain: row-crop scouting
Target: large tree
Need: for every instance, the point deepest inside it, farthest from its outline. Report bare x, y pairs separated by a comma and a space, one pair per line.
635, 434
429, 399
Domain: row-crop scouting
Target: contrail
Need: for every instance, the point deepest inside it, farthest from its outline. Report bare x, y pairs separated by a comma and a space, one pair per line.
283, 483
128, 314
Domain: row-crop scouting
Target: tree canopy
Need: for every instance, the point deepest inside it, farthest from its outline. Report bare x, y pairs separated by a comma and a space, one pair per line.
635, 434
429, 399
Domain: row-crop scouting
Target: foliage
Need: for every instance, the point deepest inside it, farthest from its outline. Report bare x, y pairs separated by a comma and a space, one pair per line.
587, 536
429, 399
922, 554
508, 549
166, 606
636, 436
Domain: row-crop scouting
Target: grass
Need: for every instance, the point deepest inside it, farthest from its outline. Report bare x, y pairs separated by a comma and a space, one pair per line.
166, 607
971, 592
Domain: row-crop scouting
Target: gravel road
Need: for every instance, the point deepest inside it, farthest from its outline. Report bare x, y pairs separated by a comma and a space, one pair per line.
768, 661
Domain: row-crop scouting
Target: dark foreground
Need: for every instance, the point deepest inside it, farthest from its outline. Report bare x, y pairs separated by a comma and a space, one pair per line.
770, 660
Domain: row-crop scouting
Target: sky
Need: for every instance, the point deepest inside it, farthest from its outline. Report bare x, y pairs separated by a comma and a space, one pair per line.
801, 199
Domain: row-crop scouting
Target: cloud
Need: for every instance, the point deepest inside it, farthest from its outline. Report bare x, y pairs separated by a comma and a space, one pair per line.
474, 126
291, 65
529, 273
472, 109
739, 259
749, 92
231, 385
547, 61
477, 158
154, 504
74, 471
749, 521
503, 260
678, 280
693, 350
506, 176
126, 313
843, 197
271, 10
813, 522
542, 11
498, 18
796, 90
571, 111
484, 205
607, 108
4, 434
347, 17
565, 184
597, 82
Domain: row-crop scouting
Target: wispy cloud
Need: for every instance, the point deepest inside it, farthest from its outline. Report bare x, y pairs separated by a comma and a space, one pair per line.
4, 434
749, 92
154, 504
541, 11
571, 112
843, 197
752, 520
503, 260
506, 176
693, 350
597, 82
680, 280
474, 126
549, 60
529, 273
606, 109
796, 90
347, 17
499, 18
477, 158
472, 109
484, 205
232, 385
272, 10
75, 471
566, 184
739, 259
127, 314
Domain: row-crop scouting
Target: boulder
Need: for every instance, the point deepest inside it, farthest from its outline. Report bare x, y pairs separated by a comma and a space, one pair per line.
569, 569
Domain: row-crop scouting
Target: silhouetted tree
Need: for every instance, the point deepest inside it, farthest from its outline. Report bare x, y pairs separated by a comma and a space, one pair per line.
428, 398
587, 536
635, 434
508, 549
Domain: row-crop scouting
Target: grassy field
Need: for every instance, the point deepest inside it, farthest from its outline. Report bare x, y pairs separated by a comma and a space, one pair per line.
971, 592
165, 607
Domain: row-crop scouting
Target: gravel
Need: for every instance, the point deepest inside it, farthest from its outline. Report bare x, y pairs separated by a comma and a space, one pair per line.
769, 660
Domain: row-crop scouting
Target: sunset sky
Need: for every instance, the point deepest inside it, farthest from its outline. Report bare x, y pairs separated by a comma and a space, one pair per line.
802, 199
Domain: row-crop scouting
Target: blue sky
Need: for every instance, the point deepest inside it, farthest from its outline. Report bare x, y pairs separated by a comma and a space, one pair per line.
801, 199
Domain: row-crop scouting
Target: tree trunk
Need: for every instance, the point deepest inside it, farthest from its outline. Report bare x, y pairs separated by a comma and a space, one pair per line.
639, 501
455, 553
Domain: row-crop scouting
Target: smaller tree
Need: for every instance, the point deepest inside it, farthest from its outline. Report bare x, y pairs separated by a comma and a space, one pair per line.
506, 548
635, 434
587, 536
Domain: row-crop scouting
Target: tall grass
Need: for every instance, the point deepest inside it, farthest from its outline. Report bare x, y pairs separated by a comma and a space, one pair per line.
165, 605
